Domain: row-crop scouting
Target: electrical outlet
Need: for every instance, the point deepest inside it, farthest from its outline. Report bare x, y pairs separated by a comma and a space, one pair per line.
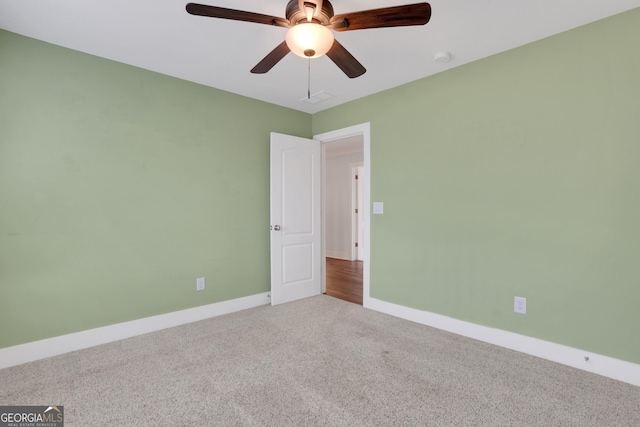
200, 284
520, 305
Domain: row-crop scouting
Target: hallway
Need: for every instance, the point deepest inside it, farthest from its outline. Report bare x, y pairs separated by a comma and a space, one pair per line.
344, 280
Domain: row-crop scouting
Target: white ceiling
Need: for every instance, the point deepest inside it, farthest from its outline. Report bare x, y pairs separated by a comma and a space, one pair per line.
160, 35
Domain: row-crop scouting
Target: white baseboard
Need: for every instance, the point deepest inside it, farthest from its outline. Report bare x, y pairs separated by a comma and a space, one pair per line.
339, 255
36, 350
617, 369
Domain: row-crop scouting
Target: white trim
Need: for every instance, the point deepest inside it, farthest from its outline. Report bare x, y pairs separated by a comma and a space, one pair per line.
36, 350
338, 255
353, 207
323, 221
353, 173
363, 129
617, 369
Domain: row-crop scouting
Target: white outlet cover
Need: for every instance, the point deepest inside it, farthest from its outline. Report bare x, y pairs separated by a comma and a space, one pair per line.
378, 208
200, 284
520, 305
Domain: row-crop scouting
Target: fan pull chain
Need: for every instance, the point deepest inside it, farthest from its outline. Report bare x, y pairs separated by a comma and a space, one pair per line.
309, 79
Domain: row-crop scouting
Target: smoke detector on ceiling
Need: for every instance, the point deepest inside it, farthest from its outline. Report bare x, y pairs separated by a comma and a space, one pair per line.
442, 57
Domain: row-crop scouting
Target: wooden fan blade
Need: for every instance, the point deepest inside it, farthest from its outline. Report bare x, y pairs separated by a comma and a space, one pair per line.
271, 59
395, 16
236, 15
345, 61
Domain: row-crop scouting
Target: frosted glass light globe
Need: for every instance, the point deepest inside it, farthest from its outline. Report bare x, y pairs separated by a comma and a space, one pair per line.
309, 40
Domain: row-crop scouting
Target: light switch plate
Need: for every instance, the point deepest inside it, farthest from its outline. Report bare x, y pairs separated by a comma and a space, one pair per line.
378, 208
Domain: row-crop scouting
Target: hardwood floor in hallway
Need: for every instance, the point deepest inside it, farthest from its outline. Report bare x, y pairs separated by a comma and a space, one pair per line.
344, 279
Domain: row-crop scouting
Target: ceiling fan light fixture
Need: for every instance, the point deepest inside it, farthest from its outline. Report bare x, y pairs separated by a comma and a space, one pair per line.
309, 11
309, 40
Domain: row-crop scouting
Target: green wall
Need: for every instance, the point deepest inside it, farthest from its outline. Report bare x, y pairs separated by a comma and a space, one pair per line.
119, 187
516, 175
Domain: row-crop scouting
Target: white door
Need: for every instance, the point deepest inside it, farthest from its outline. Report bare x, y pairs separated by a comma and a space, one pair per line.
296, 237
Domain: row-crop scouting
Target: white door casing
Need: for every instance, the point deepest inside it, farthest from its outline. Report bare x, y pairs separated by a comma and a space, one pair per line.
356, 210
296, 238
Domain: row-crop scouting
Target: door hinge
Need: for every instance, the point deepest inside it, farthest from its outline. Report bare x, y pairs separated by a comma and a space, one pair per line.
356, 210
356, 176
356, 244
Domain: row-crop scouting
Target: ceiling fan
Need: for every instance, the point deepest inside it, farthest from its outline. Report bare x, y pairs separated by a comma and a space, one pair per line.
310, 23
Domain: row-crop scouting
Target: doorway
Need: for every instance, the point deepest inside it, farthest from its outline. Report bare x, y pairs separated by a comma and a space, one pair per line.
342, 159
346, 173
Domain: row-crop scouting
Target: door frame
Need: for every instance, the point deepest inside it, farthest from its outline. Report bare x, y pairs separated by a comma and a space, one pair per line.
363, 129
357, 205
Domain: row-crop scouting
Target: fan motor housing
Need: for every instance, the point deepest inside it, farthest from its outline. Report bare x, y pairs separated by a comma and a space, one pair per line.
296, 15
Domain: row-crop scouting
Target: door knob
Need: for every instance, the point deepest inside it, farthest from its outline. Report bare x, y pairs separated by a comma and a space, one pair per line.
276, 227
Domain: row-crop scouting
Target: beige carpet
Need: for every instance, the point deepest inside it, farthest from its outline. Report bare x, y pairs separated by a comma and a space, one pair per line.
315, 362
